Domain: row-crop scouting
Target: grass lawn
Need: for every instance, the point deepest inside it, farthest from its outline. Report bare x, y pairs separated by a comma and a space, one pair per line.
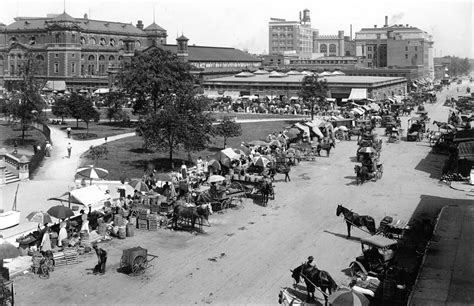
127, 158
243, 116
8, 135
97, 129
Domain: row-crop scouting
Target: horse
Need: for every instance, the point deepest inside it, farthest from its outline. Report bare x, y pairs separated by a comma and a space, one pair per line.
355, 132
282, 168
326, 147
313, 277
407, 111
357, 220
265, 187
361, 175
191, 213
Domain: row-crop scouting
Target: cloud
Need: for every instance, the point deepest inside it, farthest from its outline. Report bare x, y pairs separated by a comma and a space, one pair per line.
394, 19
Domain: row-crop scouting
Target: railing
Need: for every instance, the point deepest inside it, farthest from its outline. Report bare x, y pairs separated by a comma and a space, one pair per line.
12, 162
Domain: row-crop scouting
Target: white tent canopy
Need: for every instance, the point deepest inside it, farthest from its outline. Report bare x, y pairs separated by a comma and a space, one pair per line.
232, 94
89, 195
314, 125
358, 94
304, 128
55, 85
101, 91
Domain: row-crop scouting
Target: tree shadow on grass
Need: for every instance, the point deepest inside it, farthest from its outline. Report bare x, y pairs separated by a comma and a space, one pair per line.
161, 164
141, 150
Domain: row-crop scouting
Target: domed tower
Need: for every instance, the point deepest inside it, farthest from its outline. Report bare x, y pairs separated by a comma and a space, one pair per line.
182, 43
156, 35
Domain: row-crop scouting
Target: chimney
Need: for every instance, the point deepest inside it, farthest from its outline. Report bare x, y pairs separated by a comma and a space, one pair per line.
386, 21
140, 24
300, 15
85, 16
375, 25
408, 25
351, 32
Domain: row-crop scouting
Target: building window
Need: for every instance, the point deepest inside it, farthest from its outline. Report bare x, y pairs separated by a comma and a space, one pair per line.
323, 48
73, 55
82, 69
406, 48
112, 42
102, 42
120, 43
369, 55
369, 64
57, 37
39, 58
101, 58
56, 55
92, 41
332, 48
32, 40
416, 48
73, 38
138, 44
406, 56
73, 68
111, 58
369, 48
120, 58
56, 67
83, 40
416, 56
91, 58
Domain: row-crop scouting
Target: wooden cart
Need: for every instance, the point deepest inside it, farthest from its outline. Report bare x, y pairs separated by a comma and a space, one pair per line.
135, 260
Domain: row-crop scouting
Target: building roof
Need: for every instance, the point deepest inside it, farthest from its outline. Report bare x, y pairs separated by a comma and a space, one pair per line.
394, 27
339, 79
39, 23
214, 54
154, 27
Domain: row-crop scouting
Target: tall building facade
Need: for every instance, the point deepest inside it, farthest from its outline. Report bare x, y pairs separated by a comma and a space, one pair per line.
291, 36
77, 51
397, 46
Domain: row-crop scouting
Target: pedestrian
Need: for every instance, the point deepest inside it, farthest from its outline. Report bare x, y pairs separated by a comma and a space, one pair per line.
47, 149
199, 165
105, 139
15, 147
69, 149
287, 173
68, 130
101, 259
309, 263
184, 170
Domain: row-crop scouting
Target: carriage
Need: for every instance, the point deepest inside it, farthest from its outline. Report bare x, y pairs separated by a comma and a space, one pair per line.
135, 260
416, 129
254, 186
394, 136
377, 255
220, 200
364, 173
393, 229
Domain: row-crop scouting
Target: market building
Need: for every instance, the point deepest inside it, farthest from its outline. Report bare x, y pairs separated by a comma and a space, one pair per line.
278, 84
73, 52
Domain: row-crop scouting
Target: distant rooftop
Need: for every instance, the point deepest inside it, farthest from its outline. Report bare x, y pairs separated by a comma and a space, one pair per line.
213, 54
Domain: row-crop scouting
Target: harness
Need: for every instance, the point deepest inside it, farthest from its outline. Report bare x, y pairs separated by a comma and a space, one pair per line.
306, 278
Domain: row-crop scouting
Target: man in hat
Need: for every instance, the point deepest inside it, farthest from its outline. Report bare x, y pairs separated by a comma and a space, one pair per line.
309, 264
102, 259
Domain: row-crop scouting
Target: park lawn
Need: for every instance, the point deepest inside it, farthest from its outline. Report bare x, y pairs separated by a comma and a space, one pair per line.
128, 159
250, 116
97, 129
8, 135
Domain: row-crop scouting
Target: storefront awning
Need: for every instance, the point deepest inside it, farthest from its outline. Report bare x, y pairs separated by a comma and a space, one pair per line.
466, 150
304, 128
55, 85
358, 94
101, 91
232, 94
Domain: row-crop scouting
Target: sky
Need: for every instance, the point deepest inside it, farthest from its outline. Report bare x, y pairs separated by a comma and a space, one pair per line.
243, 24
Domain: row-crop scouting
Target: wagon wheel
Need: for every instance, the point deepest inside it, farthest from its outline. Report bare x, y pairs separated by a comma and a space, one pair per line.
139, 264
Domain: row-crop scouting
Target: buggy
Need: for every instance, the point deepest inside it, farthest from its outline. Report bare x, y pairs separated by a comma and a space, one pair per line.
135, 260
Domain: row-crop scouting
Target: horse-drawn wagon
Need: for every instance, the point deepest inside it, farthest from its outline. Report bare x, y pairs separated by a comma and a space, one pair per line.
254, 185
135, 260
377, 254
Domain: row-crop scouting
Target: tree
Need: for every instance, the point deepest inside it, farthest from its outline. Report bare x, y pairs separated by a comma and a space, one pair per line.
228, 128
180, 123
61, 108
27, 104
458, 66
75, 103
313, 89
153, 76
87, 112
97, 153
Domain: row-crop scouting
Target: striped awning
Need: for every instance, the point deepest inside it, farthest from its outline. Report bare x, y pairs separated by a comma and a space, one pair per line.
466, 150
358, 94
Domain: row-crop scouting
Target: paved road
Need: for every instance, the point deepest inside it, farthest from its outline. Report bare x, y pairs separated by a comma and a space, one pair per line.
245, 256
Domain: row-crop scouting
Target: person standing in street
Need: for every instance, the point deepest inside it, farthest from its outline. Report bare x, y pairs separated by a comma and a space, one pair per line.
102, 259
47, 149
69, 149
184, 170
68, 130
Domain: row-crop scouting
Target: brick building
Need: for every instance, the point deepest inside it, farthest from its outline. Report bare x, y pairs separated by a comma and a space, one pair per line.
75, 51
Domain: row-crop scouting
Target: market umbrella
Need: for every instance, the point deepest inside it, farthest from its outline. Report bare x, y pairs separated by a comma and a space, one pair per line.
7, 250
226, 156
216, 178
163, 177
39, 217
214, 164
347, 296
91, 172
60, 212
367, 150
139, 185
245, 149
258, 143
261, 161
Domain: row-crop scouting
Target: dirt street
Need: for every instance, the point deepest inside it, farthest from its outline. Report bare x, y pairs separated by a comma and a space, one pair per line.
246, 255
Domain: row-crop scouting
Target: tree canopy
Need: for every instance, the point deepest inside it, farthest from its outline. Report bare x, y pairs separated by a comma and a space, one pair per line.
312, 90
61, 108
153, 76
459, 66
228, 128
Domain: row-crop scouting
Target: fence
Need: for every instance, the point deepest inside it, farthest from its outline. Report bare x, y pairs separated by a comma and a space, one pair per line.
38, 157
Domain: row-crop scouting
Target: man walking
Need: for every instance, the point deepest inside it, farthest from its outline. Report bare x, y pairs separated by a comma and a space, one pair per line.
68, 130
69, 149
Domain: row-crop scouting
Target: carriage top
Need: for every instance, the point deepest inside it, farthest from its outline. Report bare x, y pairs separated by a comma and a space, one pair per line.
378, 241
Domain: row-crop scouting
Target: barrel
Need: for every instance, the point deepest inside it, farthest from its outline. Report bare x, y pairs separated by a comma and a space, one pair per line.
122, 232
132, 221
102, 229
118, 220
130, 230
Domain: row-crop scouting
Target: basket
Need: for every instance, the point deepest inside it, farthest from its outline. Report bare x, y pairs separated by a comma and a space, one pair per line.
122, 232
130, 230
142, 224
118, 220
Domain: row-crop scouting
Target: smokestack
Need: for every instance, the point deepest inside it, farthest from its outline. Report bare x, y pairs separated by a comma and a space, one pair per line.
300, 15
351, 32
386, 21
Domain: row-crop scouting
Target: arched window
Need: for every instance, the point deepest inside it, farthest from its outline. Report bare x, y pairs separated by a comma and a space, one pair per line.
101, 58
32, 40
83, 40
92, 41
323, 48
102, 41
120, 43
112, 42
111, 58
332, 48
91, 58
120, 58
138, 44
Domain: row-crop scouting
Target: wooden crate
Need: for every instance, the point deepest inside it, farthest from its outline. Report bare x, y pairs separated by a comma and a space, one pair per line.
142, 224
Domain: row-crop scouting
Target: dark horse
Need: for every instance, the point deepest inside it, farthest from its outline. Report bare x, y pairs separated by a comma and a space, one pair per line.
283, 168
325, 147
266, 189
191, 213
355, 219
313, 277
362, 174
